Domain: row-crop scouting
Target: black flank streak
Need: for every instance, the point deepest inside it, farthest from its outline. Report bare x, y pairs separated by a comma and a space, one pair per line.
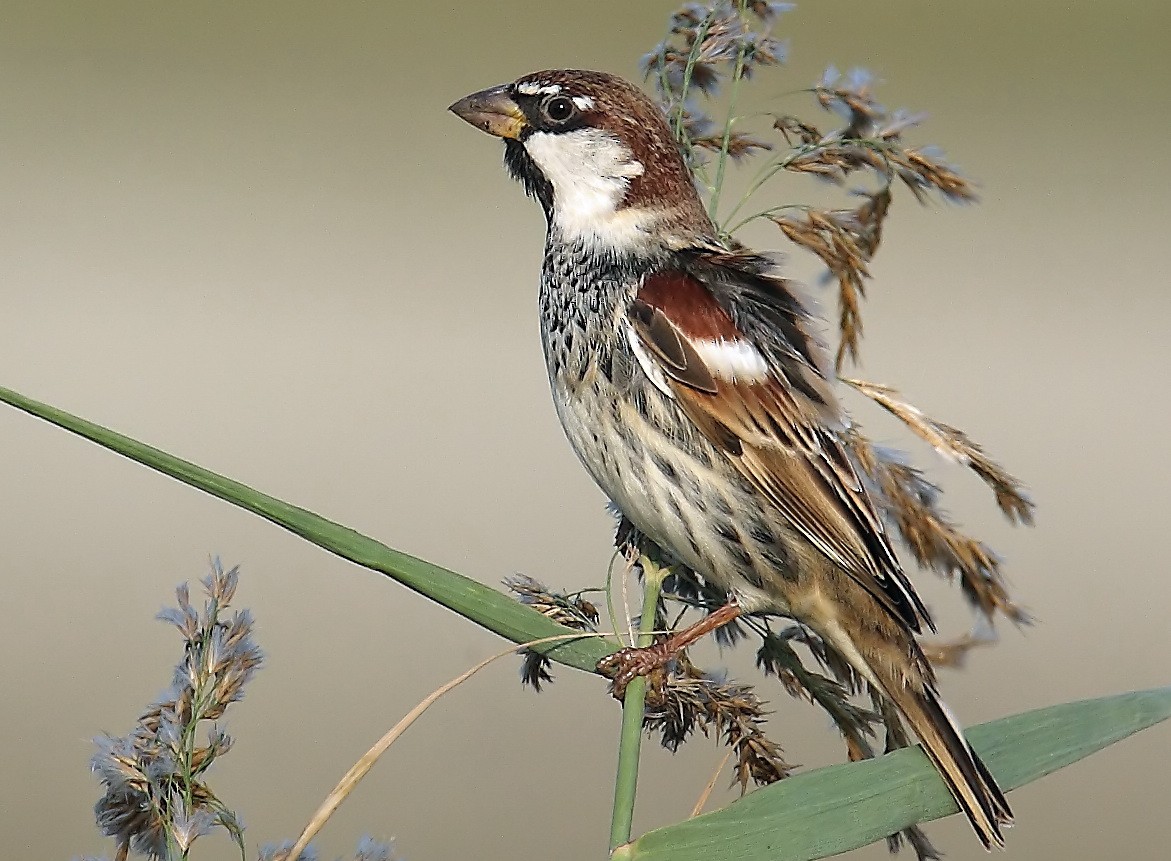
665, 467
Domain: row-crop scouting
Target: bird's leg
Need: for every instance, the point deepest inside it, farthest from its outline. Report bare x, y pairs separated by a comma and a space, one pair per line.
627, 664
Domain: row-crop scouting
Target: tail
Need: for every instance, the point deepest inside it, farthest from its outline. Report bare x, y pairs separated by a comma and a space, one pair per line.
971, 784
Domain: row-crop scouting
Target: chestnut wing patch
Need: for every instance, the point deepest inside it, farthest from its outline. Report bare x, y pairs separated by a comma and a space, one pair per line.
774, 435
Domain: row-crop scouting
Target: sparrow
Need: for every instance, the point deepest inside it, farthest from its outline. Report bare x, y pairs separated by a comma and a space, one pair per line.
692, 386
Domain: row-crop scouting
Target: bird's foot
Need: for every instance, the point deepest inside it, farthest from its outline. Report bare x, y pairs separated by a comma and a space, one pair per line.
625, 665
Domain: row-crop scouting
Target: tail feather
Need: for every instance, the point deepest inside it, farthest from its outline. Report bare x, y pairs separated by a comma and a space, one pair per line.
901, 672
971, 784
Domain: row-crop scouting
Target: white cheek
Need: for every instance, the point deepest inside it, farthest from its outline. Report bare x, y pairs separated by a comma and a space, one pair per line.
590, 171
733, 360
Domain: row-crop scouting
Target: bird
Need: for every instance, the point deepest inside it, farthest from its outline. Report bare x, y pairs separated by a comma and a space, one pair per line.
690, 381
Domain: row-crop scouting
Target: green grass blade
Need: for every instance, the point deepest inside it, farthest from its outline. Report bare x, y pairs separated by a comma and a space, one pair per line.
481, 604
813, 815
842, 807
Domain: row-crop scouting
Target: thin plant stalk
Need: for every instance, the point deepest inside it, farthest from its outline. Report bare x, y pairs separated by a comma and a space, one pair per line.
677, 120
764, 213
360, 769
770, 169
610, 608
701, 802
680, 110
722, 160
762, 176
633, 704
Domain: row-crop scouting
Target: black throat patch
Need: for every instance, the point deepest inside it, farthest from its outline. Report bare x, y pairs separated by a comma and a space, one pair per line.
523, 168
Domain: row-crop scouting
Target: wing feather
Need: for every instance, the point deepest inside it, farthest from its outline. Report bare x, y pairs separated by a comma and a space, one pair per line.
772, 426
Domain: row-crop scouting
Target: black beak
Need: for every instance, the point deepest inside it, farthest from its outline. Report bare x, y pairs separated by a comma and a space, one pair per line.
492, 111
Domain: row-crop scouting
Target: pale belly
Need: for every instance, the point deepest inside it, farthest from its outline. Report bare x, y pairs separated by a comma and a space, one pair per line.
693, 505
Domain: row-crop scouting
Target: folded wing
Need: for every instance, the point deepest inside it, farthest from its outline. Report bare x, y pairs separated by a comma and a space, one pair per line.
761, 399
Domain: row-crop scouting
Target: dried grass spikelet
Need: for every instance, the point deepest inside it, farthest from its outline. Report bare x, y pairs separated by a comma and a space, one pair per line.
910, 501
828, 156
739, 144
791, 128
572, 611
954, 653
845, 240
689, 700
922, 170
707, 46
156, 796
776, 656
852, 97
870, 126
954, 444
368, 849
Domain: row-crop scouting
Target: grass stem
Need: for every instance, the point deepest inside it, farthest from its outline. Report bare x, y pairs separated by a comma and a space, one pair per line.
630, 741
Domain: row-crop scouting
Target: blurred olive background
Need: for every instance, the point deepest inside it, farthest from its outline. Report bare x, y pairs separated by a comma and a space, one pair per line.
250, 234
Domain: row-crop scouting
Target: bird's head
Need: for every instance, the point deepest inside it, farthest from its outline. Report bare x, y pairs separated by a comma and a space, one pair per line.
598, 155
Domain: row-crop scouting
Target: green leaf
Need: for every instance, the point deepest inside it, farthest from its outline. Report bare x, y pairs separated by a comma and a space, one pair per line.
813, 815
842, 807
487, 607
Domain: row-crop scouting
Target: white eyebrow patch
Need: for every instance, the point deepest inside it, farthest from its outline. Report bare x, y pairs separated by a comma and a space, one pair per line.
584, 103
535, 88
733, 360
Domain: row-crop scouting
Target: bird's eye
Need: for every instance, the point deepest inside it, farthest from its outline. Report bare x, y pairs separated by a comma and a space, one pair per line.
559, 109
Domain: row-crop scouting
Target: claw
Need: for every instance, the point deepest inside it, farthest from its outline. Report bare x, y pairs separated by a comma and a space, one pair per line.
625, 665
